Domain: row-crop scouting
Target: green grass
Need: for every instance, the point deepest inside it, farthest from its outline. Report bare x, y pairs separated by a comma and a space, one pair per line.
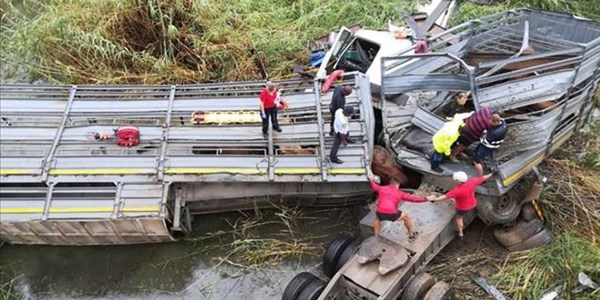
530, 274
173, 41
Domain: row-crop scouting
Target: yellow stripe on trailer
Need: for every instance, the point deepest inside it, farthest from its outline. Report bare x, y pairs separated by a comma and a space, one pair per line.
293, 171
510, 179
347, 171
18, 171
105, 209
252, 171
100, 171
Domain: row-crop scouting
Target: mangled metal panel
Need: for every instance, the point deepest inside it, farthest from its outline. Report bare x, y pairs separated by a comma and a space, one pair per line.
427, 121
530, 134
547, 87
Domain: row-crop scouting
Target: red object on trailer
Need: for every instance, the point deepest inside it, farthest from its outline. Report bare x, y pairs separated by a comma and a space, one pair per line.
127, 136
421, 46
335, 75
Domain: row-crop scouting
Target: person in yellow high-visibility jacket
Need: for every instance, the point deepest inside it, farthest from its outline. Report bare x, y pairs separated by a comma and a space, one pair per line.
445, 138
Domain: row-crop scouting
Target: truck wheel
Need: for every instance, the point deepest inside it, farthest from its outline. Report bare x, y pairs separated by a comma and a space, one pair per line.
297, 285
519, 233
417, 287
346, 255
439, 291
498, 210
333, 252
541, 238
313, 290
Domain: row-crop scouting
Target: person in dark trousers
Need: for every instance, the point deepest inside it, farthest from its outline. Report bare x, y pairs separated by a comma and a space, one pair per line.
464, 197
389, 198
490, 140
268, 108
471, 132
341, 127
338, 100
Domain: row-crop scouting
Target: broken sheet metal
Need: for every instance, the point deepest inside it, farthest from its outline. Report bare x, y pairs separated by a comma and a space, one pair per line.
539, 70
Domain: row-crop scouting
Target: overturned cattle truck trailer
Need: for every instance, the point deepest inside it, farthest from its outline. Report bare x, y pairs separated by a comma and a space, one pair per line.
60, 186
539, 70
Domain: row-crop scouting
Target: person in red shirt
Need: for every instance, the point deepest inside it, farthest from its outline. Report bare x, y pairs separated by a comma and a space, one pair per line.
268, 108
464, 196
389, 198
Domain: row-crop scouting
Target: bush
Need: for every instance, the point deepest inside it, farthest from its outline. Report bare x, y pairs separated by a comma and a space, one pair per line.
173, 41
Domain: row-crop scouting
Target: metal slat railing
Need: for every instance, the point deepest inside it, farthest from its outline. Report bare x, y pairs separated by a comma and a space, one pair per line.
58, 135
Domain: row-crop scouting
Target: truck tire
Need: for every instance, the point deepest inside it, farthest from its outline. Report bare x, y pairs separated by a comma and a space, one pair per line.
332, 253
297, 285
418, 286
539, 239
346, 255
498, 210
313, 290
515, 235
528, 212
439, 291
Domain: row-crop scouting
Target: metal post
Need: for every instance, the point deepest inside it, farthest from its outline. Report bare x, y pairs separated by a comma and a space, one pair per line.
165, 135
271, 160
48, 201
58, 135
177, 211
320, 124
117, 204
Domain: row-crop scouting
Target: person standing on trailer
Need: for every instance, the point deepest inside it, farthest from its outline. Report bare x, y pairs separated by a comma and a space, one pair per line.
338, 100
341, 129
490, 141
268, 108
389, 198
464, 197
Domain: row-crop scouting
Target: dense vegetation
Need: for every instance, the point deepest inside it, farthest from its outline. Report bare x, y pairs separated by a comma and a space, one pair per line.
172, 41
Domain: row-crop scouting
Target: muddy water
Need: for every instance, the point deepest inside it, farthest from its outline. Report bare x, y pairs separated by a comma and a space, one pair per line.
180, 270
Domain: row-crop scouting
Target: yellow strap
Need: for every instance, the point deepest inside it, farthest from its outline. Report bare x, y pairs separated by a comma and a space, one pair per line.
510, 179
347, 171
290, 171
100, 171
37, 210
214, 170
18, 171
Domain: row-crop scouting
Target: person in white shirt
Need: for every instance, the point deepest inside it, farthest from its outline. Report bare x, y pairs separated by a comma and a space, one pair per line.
341, 127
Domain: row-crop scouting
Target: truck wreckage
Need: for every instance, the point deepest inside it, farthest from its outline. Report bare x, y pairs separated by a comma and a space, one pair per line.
540, 70
59, 187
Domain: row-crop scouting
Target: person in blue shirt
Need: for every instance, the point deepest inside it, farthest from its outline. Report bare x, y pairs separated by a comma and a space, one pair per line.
491, 139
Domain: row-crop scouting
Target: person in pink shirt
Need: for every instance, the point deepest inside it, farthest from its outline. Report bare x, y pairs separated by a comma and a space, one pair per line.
389, 198
464, 196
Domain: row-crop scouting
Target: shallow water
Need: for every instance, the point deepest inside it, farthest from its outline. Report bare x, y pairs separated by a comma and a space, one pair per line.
179, 270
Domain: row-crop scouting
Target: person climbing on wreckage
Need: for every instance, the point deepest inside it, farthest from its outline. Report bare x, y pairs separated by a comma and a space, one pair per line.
338, 100
491, 140
444, 138
341, 127
389, 198
472, 131
464, 197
